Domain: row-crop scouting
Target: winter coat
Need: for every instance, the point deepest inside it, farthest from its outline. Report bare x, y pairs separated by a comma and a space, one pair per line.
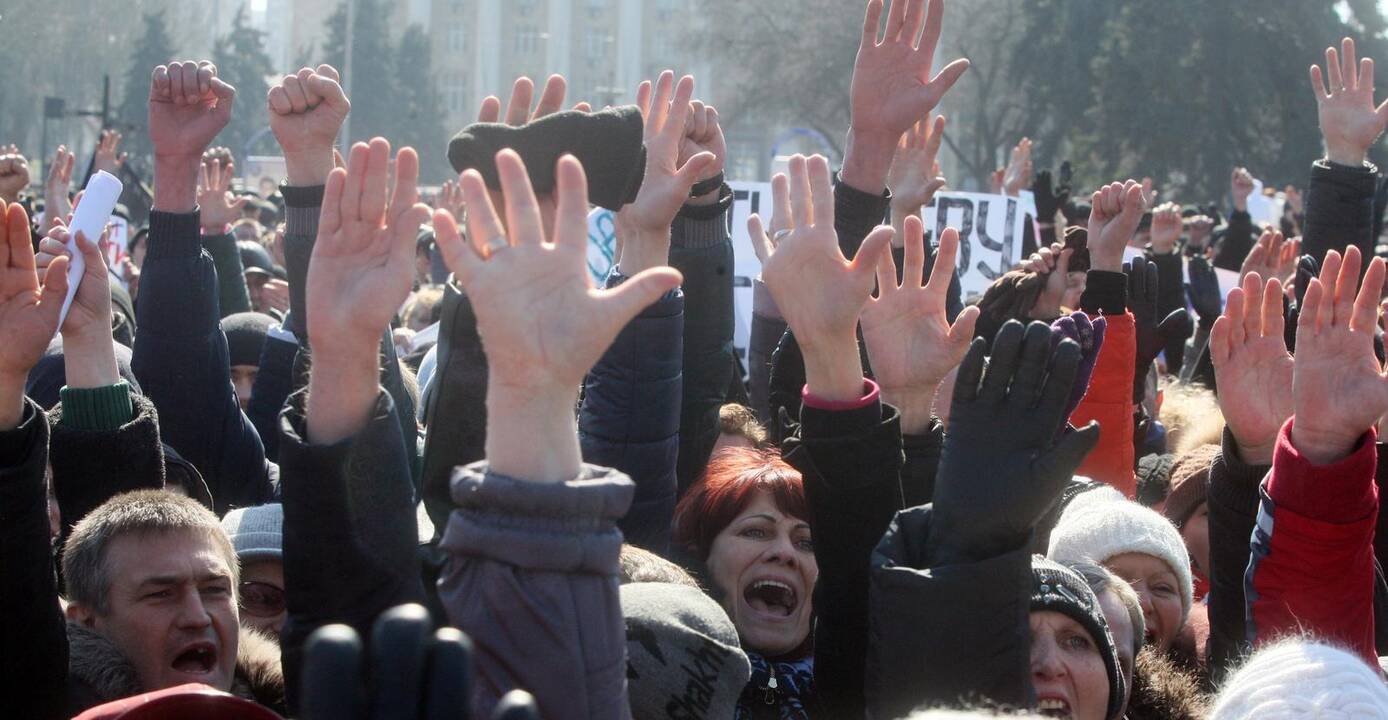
531, 578
1110, 402
1339, 209
455, 417
630, 416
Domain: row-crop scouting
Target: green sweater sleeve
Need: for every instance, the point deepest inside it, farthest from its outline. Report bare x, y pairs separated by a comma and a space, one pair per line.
100, 408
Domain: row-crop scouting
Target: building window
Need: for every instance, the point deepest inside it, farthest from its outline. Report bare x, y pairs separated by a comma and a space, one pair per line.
527, 39
595, 44
525, 7
457, 38
459, 6
455, 93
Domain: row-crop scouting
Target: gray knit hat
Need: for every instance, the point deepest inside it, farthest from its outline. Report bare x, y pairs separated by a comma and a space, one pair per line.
683, 655
256, 532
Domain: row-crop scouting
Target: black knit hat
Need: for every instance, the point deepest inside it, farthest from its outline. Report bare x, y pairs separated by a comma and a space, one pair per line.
246, 336
1059, 589
607, 143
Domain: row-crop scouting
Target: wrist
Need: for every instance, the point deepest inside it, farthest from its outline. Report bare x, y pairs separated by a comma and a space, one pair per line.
915, 405
11, 400
89, 362
1322, 447
176, 182
304, 168
867, 157
1258, 452
833, 369
342, 390
1241, 203
644, 249
1346, 155
1106, 261
531, 432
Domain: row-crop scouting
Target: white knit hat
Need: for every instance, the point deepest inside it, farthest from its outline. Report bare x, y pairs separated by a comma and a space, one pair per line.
1102, 526
1299, 678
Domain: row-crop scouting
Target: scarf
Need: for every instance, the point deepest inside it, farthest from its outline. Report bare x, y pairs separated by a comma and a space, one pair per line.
784, 686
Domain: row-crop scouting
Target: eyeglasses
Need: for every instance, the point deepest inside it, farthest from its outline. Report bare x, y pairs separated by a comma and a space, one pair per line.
261, 599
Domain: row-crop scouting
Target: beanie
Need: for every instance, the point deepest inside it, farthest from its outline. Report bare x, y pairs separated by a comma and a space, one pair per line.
49, 374
193, 700
683, 655
1190, 474
246, 336
1096, 531
1299, 678
1059, 589
254, 256
607, 143
256, 532
1154, 478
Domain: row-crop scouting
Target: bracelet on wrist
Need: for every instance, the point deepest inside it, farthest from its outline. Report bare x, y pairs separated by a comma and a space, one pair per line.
704, 187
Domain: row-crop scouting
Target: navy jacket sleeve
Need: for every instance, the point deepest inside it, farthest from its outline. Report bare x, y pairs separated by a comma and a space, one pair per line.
630, 416
181, 361
273, 383
232, 295
1340, 209
34, 655
349, 529
701, 249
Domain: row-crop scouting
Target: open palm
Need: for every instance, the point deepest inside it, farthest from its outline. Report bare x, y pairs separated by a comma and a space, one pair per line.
892, 87
1349, 120
28, 310
1253, 369
363, 261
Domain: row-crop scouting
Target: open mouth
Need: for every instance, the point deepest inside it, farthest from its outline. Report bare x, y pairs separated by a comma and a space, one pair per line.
196, 659
1053, 707
771, 597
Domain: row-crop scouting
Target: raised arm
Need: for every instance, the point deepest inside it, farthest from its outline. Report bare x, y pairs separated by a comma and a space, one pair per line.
345, 469
181, 352
533, 544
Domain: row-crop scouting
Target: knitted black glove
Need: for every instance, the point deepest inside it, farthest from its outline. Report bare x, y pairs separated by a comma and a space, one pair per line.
1307, 269
1152, 337
1049, 200
1005, 460
1203, 291
412, 672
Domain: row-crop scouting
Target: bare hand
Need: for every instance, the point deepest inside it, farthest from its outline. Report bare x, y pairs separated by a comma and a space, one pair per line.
518, 111
188, 106
1166, 228
703, 134
892, 87
1349, 121
1339, 387
90, 314
219, 206
56, 203
1241, 185
1053, 263
1273, 257
306, 113
1115, 212
1252, 367
1018, 173
915, 175
14, 173
108, 156
275, 295
28, 310
911, 345
1200, 228
450, 198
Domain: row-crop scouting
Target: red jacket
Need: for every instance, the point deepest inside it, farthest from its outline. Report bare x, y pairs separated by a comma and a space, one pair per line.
1312, 561
1110, 402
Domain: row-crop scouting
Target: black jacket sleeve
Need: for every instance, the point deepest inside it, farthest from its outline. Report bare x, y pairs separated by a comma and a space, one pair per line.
349, 529
851, 463
1340, 210
273, 383
92, 466
922, 464
34, 655
767, 328
1233, 500
181, 361
945, 634
1238, 240
455, 419
232, 295
630, 416
701, 249
1171, 296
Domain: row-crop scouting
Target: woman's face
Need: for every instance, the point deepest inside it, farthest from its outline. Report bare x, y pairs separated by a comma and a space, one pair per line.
1120, 625
1067, 669
1160, 591
763, 564
1196, 533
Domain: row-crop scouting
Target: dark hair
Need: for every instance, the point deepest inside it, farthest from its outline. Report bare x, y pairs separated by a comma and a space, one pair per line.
732, 479
644, 566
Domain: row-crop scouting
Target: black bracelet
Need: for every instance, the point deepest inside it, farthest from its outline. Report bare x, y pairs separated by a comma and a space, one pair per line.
704, 187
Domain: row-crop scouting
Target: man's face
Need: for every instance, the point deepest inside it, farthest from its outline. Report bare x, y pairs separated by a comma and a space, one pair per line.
172, 609
255, 288
243, 379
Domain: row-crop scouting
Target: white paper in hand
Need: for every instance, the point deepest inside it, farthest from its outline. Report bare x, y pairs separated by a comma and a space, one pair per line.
90, 218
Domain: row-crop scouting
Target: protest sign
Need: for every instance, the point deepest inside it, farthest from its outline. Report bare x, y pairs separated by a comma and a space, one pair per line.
990, 233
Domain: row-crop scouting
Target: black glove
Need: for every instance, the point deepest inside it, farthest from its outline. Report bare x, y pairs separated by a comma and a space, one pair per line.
413, 671
1005, 459
1307, 269
1152, 337
1203, 291
1048, 200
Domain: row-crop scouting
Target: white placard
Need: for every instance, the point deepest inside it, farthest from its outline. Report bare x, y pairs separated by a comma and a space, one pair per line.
990, 233
90, 218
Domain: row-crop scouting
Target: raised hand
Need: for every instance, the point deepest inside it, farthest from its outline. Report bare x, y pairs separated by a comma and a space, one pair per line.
1153, 333
764, 244
28, 310
108, 156
543, 323
911, 345
1241, 186
1203, 290
220, 207
1061, 289
1272, 257
1252, 367
1018, 173
518, 111
450, 198
90, 314
818, 290
306, 112
1339, 388
645, 223
1116, 210
915, 175
703, 134
1350, 123
56, 204
1050, 198
14, 173
892, 87
1006, 455
1089, 335
1166, 228
188, 106
1200, 228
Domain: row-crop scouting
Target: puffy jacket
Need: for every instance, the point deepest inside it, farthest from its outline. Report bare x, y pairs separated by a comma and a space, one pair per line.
630, 416
1110, 402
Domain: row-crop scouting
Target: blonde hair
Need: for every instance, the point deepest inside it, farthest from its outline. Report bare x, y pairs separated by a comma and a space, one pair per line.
1192, 417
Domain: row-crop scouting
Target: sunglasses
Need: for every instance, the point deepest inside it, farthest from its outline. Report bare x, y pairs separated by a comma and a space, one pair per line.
261, 599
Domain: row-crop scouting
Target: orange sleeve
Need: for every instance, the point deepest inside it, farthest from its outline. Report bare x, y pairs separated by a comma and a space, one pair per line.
1110, 402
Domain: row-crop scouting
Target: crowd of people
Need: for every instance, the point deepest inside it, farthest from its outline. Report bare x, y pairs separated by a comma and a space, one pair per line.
327, 450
